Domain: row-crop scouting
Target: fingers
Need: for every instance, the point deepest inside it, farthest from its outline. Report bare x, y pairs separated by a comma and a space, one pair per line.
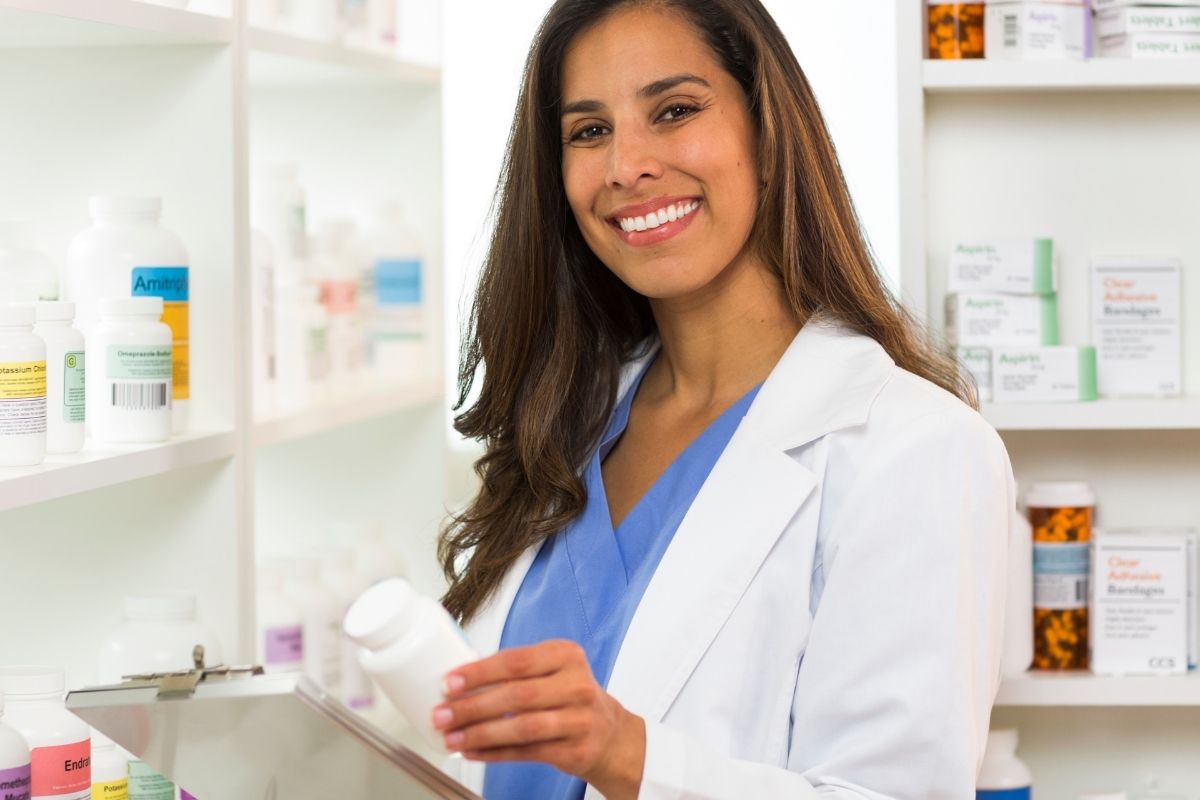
520, 730
511, 697
533, 661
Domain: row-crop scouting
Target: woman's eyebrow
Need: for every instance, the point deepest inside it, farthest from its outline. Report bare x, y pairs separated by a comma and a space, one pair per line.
649, 90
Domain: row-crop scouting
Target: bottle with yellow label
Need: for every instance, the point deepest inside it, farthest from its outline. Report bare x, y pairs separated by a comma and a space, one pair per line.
110, 769
126, 253
22, 388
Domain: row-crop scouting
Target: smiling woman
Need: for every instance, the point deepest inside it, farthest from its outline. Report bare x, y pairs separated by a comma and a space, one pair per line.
740, 531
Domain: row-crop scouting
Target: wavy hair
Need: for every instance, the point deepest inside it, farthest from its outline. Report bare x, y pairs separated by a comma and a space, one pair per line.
551, 325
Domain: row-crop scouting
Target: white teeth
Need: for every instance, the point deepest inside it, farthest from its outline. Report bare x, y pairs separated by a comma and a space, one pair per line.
656, 218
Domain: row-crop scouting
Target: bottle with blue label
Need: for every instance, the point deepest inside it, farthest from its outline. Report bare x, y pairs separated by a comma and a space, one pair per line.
126, 253
1003, 776
396, 292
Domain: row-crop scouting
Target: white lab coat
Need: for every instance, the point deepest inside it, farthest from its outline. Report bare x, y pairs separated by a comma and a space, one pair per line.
826, 622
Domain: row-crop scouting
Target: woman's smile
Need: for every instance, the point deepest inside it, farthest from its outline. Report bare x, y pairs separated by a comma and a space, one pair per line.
655, 221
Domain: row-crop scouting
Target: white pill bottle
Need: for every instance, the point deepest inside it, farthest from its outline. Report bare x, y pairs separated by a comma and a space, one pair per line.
129, 388
59, 742
65, 379
1003, 776
22, 389
14, 758
409, 643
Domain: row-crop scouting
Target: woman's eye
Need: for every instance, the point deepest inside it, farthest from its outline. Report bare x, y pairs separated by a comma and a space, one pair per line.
588, 133
677, 112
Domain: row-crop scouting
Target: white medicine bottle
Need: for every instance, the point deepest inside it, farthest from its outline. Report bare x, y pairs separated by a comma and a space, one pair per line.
320, 616
1017, 655
14, 758
129, 390
280, 624
59, 742
159, 634
26, 274
408, 643
126, 253
339, 573
22, 388
110, 769
1003, 776
65, 380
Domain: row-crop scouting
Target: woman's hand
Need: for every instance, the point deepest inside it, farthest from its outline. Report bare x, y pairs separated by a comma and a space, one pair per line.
541, 703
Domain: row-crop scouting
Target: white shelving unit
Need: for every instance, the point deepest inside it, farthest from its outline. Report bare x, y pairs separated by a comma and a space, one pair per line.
122, 96
1102, 156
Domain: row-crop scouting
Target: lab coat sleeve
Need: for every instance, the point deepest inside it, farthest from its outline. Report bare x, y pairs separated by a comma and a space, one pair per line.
895, 688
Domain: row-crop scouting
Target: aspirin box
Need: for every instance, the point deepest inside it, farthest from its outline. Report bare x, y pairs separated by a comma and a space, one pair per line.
1063, 374
979, 319
1019, 266
1036, 31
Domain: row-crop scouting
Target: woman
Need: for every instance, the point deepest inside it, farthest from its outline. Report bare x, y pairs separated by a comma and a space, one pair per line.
740, 533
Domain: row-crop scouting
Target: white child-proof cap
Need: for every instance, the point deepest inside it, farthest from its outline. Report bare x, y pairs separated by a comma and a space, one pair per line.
167, 606
55, 311
108, 207
131, 307
25, 681
381, 614
1060, 494
17, 314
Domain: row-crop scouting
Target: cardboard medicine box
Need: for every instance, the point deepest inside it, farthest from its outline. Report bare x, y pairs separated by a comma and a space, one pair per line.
1036, 31
1136, 326
1151, 45
1022, 266
1064, 374
1139, 618
986, 319
978, 362
1120, 21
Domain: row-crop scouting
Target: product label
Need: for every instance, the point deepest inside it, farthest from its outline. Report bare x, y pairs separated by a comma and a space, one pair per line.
283, 645
1060, 575
22, 398
171, 284
1136, 327
111, 790
15, 783
1025, 793
140, 377
398, 281
63, 772
74, 390
146, 784
338, 297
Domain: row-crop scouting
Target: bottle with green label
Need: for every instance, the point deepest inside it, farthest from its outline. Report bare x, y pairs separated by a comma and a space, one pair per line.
65, 383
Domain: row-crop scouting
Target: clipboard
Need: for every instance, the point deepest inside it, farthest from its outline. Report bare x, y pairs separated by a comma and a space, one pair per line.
237, 734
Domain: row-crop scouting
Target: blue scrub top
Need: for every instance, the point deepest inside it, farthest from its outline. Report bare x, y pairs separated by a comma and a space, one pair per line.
587, 581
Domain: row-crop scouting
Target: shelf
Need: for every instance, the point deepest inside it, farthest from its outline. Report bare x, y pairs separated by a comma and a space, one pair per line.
1085, 689
1140, 414
1103, 74
356, 405
103, 23
97, 466
282, 60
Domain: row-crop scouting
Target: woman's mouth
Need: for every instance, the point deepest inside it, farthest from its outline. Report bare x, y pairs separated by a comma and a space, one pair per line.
656, 223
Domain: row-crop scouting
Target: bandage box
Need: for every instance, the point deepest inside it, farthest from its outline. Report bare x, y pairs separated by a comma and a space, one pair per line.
1119, 21
1036, 31
985, 319
1101, 5
1024, 266
1151, 45
1138, 622
978, 362
1063, 374
1136, 326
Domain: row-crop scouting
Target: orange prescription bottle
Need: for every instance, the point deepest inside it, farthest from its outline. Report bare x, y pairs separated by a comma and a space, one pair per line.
956, 30
1061, 515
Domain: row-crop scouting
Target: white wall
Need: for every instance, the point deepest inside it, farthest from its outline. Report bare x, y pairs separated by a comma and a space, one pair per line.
847, 50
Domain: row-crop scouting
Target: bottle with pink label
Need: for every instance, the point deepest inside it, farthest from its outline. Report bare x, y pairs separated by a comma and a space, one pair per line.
14, 760
59, 742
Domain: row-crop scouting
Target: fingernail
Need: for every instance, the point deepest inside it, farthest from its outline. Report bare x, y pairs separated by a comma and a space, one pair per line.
454, 740
453, 683
442, 717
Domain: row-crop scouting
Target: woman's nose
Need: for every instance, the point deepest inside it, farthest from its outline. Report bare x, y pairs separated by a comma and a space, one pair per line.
631, 157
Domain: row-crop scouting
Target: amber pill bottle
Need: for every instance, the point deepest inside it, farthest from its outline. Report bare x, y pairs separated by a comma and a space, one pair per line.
1061, 515
955, 30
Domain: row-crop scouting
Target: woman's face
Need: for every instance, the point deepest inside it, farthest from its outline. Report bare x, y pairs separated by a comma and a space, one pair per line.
658, 153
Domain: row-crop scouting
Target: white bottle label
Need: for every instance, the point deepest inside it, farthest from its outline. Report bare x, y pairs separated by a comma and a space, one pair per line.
146, 784
74, 389
139, 377
22, 398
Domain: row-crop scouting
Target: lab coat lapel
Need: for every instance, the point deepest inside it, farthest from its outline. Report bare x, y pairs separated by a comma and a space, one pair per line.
825, 381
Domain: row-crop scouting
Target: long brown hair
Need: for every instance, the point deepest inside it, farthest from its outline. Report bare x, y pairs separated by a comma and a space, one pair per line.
551, 325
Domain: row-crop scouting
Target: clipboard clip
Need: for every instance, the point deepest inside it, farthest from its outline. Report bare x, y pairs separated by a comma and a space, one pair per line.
182, 685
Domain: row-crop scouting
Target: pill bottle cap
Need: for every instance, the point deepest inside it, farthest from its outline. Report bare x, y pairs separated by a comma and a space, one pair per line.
1060, 494
160, 607
132, 307
32, 681
124, 208
55, 311
1002, 742
382, 613
17, 314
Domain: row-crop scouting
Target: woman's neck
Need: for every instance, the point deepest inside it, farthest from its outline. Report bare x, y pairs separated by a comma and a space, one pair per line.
723, 340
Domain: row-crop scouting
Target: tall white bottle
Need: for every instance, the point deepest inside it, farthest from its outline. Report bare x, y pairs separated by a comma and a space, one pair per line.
126, 253
26, 274
15, 770
399, 318
59, 742
66, 401
339, 573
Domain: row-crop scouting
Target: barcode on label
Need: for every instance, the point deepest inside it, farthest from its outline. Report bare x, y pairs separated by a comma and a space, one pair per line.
1010, 30
140, 396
